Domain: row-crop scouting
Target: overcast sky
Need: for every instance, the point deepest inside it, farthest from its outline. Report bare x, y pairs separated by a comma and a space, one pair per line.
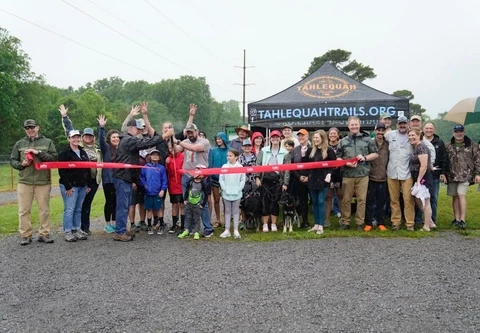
427, 47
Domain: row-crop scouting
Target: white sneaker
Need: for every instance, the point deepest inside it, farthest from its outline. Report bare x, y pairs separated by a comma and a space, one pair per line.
339, 215
274, 227
265, 227
225, 234
315, 228
236, 234
320, 230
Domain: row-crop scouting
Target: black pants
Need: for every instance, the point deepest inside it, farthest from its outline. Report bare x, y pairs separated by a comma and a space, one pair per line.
270, 194
376, 198
110, 202
87, 206
300, 192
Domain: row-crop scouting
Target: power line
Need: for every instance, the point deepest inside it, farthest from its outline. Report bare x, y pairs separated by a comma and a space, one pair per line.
125, 36
186, 33
136, 30
83, 45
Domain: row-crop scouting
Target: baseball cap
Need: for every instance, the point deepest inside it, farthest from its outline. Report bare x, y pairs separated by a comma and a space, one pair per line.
191, 127
141, 122
88, 131
287, 126
415, 117
385, 115
275, 133
73, 133
247, 142
458, 127
30, 122
302, 131
402, 119
155, 151
380, 125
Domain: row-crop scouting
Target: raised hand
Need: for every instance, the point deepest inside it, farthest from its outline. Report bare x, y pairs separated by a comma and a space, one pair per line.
135, 111
193, 109
101, 120
63, 110
144, 107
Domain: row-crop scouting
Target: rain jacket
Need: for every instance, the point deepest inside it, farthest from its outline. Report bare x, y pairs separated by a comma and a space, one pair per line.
254, 136
218, 156
463, 162
154, 178
354, 145
173, 173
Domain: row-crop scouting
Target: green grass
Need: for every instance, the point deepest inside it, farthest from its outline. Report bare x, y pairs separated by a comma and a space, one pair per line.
9, 178
9, 213
9, 224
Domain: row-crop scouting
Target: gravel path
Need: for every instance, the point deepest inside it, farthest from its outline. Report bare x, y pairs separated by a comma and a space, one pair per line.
162, 284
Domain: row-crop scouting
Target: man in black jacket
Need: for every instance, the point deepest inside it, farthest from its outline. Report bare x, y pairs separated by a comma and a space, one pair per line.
128, 153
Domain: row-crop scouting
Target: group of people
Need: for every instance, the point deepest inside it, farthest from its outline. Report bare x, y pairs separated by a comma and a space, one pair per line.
379, 173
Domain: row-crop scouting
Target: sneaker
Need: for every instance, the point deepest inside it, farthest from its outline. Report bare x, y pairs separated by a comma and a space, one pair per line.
25, 240
315, 228
45, 239
381, 227
241, 225
109, 229
225, 234
172, 229
69, 237
196, 235
122, 237
265, 227
236, 234
161, 229
274, 227
359, 227
339, 215
143, 226
326, 224
395, 227
80, 234
320, 230
454, 223
150, 230
344, 226
208, 233
184, 234
462, 224
411, 228
130, 233
368, 228
134, 228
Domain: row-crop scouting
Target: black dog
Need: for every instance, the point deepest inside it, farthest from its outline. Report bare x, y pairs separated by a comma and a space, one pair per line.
290, 215
252, 206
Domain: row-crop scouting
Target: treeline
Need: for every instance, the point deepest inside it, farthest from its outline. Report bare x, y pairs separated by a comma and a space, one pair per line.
25, 95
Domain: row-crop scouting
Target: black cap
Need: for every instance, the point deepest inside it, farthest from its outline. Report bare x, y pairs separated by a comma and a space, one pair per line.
458, 127
380, 125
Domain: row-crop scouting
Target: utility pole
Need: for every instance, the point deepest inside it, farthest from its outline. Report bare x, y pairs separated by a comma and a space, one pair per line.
244, 84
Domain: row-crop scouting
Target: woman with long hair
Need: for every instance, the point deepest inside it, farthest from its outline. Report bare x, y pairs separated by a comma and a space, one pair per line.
257, 142
421, 174
335, 189
318, 181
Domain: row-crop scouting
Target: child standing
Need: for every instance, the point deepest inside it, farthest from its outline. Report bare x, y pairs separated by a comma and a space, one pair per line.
154, 180
232, 189
196, 197
174, 163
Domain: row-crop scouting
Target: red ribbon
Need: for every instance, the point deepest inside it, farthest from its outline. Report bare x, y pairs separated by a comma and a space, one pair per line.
268, 168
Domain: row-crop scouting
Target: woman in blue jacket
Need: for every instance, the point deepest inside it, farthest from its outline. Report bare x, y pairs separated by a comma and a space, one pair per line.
216, 159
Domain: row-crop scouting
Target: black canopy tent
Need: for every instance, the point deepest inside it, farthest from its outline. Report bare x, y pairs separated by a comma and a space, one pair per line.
326, 98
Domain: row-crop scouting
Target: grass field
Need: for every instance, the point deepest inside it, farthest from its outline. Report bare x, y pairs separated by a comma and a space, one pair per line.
9, 220
9, 177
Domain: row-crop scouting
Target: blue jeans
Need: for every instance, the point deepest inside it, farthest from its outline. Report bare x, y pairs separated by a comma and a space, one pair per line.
336, 208
434, 198
124, 195
207, 226
72, 207
318, 200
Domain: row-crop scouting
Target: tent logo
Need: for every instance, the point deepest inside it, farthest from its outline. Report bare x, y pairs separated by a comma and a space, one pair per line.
326, 87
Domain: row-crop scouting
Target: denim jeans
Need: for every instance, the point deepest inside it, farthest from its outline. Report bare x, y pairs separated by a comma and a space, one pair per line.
318, 199
87, 206
434, 198
124, 195
207, 226
72, 207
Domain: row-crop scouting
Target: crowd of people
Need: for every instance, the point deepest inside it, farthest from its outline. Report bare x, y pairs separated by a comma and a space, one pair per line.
390, 175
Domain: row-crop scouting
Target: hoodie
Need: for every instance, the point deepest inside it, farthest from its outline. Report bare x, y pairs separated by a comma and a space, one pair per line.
254, 136
232, 184
218, 156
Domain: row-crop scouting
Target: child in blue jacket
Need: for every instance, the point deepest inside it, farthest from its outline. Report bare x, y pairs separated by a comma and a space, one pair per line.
154, 180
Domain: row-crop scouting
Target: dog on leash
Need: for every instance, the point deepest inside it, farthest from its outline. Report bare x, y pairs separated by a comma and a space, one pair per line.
252, 207
290, 216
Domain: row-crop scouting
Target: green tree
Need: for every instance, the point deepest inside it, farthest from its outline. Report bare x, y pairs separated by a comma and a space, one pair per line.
415, 109
341, 59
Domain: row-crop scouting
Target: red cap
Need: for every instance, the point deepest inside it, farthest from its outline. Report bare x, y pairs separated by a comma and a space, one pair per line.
275, 133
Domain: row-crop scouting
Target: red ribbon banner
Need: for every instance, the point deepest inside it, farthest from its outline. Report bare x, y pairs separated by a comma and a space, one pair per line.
268, 168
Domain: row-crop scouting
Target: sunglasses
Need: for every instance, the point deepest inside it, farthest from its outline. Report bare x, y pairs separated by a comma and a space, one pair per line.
29, 127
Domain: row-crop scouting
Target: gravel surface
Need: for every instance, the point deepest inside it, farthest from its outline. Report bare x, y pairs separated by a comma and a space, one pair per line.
162, 284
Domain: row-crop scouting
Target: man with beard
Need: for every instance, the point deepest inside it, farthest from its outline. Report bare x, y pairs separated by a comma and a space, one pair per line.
196, 152
399, 177
243, 133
